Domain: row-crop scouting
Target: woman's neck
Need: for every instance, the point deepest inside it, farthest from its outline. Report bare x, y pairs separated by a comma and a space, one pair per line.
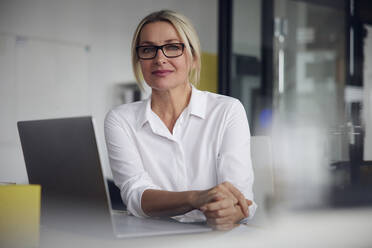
169, 104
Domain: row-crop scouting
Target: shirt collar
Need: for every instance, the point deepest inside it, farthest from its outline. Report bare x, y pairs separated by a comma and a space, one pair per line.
197, 106
197, 103
144, 112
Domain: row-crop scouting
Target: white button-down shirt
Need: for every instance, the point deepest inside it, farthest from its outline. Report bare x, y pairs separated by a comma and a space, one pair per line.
210, 144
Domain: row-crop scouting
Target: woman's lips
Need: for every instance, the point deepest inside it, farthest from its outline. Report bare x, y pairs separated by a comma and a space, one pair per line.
162, 73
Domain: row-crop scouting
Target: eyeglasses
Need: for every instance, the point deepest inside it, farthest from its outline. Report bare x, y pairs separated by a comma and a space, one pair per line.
171, 50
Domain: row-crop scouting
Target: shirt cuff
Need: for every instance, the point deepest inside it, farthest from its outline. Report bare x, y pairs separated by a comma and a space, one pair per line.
135, 200
191, 217
252, 210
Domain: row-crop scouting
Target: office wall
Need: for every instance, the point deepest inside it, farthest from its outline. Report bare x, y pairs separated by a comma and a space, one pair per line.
64, 58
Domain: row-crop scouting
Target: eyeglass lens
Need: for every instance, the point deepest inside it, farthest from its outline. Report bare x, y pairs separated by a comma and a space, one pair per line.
169, 50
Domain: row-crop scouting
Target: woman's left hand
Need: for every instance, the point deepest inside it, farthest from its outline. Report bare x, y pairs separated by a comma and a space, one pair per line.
223, 214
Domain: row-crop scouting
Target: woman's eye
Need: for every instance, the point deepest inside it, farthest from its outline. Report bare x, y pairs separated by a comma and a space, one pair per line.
148, 49
173, 47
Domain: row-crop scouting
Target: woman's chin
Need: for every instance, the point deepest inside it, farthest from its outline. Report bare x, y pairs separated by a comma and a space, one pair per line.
164, 86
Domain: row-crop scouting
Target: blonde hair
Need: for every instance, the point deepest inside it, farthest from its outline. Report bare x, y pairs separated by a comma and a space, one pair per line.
188, 36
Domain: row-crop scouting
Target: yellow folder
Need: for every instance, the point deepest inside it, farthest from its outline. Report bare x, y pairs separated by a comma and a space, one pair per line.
19, 215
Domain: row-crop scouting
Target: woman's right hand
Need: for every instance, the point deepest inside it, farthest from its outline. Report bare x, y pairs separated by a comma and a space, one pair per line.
220, 192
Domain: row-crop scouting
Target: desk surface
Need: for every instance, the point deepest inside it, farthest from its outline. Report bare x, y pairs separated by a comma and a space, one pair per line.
331, 228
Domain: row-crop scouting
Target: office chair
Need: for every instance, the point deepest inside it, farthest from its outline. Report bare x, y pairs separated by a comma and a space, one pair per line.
115, 197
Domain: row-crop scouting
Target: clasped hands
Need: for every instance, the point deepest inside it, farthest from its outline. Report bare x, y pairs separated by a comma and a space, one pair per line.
223, 205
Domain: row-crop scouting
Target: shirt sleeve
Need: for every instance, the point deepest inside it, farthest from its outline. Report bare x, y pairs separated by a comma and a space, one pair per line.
126, 164
234, 159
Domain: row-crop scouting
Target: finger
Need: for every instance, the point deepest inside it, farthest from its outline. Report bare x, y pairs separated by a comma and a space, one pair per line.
230, 195
225, 227
218, 221
213, 196
219, 193
213, 206
249, 203
223, 220
241, 199
220, 213
223, 188
210, 196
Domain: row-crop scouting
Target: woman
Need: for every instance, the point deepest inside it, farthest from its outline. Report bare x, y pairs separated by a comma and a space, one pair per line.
182, 149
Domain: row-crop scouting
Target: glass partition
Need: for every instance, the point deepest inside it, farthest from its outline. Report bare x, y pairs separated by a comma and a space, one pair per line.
309, 129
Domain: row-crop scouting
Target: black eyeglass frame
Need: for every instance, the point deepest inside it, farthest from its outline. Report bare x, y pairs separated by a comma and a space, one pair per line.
161, 48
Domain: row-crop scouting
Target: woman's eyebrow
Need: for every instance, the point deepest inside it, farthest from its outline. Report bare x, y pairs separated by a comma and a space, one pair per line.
153, 43
171, 40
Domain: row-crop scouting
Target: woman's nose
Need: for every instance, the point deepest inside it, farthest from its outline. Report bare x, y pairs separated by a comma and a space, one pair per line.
159, 56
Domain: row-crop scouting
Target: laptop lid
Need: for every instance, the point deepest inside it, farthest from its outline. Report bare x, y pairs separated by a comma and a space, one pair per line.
62, 156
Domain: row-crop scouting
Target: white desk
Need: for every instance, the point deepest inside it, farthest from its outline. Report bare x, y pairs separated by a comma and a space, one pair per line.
331, 228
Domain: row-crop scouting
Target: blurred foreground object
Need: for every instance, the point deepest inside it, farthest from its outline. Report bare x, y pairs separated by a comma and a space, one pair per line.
263, 187
19, 215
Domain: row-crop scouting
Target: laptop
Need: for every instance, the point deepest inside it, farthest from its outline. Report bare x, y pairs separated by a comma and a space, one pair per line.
63, 157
